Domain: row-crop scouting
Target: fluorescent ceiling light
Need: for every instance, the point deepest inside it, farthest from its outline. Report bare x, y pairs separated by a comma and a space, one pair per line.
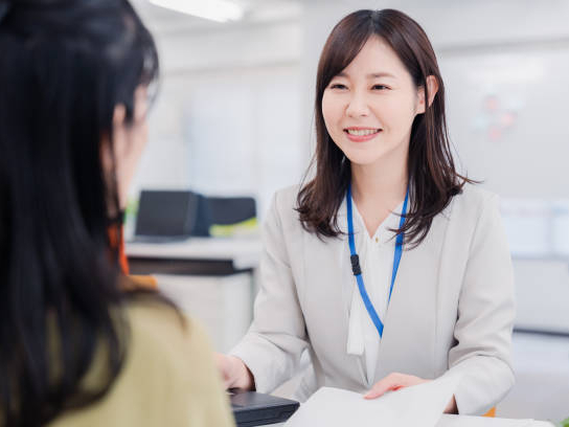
215, 10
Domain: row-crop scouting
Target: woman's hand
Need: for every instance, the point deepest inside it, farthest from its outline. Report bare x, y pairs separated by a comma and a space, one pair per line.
234, 372
395, 381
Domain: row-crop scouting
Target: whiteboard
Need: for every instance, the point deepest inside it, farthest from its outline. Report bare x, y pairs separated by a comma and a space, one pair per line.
508, 116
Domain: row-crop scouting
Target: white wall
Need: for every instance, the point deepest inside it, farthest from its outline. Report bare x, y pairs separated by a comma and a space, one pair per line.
227, 121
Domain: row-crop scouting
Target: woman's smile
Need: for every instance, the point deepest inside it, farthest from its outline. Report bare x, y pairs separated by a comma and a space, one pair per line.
361, 134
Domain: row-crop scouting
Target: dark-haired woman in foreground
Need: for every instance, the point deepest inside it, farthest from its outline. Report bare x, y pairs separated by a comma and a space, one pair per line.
388, 266
75, 348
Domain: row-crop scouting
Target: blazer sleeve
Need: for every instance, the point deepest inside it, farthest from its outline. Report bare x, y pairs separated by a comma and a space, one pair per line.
272, 347
486, 312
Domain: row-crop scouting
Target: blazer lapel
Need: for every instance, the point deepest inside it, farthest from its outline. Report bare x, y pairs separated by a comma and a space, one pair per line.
409, 333
347, 283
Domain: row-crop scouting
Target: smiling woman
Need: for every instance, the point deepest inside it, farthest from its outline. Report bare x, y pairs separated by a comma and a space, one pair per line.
389, 267
376, 71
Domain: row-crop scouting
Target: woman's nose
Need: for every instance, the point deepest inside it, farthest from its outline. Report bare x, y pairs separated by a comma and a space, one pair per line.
357, 106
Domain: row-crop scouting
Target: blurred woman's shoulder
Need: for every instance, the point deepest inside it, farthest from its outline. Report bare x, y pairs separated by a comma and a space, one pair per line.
168, 377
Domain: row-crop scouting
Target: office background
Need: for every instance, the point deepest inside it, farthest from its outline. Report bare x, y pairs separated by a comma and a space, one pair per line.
234, 116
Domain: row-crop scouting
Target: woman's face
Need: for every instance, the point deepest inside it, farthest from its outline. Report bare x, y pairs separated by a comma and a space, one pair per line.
129, 140
369, 107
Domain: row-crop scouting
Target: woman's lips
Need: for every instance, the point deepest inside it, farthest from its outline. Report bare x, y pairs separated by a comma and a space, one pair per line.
361, 134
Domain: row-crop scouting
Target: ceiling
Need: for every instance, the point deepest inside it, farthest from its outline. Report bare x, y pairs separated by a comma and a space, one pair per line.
163, 20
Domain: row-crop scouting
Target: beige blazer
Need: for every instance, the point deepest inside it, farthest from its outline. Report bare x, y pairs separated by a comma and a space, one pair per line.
452, 306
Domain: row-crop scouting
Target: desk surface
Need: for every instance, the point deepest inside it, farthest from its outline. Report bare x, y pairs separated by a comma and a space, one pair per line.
467, 421
243, 253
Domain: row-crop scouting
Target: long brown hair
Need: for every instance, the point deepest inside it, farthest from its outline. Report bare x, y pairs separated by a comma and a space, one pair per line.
433, 178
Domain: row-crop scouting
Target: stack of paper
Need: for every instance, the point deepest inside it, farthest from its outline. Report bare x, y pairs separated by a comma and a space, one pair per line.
420, 405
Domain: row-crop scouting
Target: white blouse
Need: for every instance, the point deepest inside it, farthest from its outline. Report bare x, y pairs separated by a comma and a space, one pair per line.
376, 261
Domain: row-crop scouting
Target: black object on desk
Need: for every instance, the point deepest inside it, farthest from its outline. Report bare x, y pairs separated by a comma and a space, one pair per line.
166, 215
178, 214
256, 409
231, 210
189, 267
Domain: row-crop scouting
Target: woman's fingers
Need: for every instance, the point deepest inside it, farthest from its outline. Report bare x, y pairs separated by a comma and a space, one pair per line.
392, 382
379, 388
223, 366
234, 372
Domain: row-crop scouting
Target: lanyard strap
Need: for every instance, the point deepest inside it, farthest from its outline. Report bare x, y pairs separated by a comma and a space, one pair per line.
354, 259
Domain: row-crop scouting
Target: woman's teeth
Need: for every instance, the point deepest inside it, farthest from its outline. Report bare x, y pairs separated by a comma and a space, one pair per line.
362, 132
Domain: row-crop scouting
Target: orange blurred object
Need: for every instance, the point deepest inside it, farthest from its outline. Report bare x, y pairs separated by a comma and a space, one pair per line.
116, 240
145, 282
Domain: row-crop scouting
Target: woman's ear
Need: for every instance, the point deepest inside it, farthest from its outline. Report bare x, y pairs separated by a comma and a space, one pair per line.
432, 88
119, 115
120, 134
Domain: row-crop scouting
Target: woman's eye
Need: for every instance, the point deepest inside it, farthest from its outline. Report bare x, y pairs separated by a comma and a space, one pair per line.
379, 87
337, 86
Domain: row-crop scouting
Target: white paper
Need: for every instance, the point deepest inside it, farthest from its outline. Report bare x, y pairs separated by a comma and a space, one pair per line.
420, 405
466, 421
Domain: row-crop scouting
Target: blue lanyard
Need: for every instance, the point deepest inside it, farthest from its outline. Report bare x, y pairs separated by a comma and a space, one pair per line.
354, 259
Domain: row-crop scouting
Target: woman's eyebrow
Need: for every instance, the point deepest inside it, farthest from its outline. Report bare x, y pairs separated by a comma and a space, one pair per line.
374, 75
379, 74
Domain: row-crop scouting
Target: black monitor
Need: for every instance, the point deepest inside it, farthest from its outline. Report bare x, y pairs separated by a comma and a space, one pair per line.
166, 214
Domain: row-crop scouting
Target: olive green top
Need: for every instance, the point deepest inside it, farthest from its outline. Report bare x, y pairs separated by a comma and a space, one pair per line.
168, 377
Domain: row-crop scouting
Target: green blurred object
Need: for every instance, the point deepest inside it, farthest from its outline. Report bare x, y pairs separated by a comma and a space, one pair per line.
243, 228
564, 423
130, 218
132, 207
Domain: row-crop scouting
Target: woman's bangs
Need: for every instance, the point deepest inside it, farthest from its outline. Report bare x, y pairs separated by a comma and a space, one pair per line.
344, 44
